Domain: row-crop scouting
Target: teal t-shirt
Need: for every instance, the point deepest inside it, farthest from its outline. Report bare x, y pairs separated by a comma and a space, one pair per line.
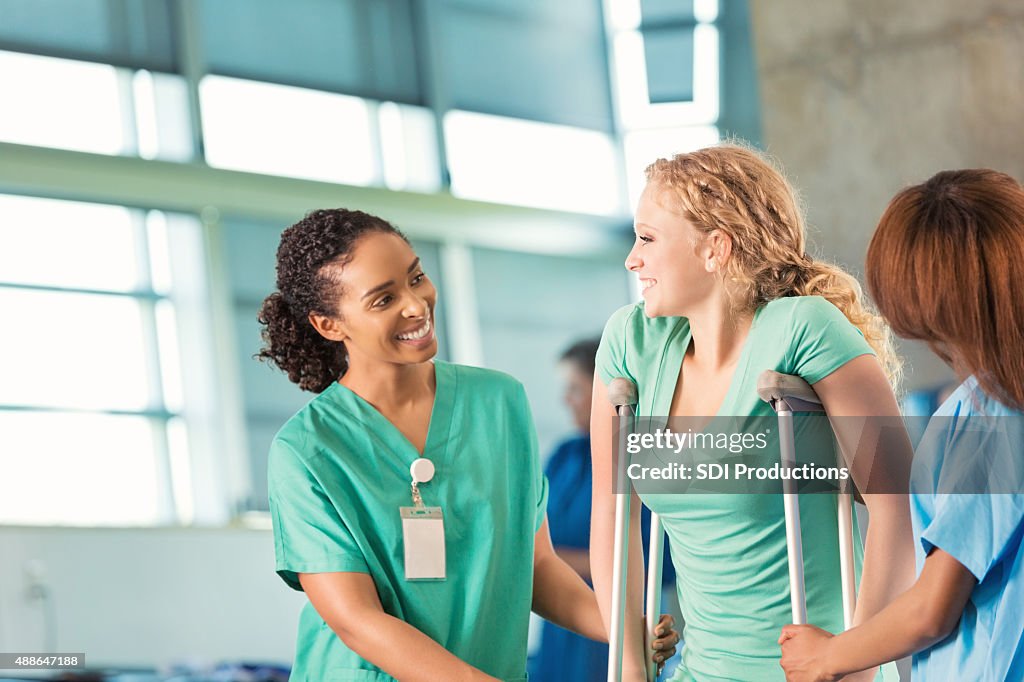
729, 550
337, 475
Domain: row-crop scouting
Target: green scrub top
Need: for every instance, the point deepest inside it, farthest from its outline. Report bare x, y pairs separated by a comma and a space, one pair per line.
729, 550
338, 473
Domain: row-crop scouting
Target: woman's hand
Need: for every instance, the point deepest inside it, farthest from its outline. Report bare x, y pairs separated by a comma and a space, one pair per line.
664, 647
919, 618
804, 651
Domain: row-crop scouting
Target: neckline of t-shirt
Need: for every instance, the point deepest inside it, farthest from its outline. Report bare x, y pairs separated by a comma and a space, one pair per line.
740, 370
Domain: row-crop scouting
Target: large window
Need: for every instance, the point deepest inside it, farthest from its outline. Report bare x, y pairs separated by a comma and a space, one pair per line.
281, 130
665, 61
128, 391
296, 132
537, 164
93, 108
93, 398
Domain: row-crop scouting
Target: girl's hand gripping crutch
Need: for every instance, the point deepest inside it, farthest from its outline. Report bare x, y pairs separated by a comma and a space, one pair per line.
788, 394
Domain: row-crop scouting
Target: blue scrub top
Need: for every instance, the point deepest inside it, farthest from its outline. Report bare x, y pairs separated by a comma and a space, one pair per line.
981, 531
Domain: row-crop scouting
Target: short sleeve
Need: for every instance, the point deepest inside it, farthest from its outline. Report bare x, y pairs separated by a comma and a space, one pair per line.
824, 339
978, 530
611, 353
538, 481
542, 501
974, 525
309, 534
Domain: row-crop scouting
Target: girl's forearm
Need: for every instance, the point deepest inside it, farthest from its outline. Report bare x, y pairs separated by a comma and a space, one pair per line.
888, 569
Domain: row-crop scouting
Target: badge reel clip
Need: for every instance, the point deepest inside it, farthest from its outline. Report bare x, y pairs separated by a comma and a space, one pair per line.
422, 529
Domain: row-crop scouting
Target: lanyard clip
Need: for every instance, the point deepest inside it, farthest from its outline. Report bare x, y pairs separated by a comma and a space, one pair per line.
417, 499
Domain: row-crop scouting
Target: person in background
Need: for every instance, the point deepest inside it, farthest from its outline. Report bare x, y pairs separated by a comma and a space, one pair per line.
564, 655
944, 266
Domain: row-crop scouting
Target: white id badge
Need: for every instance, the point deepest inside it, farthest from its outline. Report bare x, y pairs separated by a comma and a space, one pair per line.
423, 539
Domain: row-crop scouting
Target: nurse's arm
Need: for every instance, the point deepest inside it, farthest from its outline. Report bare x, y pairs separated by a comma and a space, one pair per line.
559, 593
920, 617
561, 597
878, 448
602, 535
349, 604
578, 560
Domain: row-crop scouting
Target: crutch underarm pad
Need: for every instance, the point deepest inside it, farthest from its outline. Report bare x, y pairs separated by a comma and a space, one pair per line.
773, 386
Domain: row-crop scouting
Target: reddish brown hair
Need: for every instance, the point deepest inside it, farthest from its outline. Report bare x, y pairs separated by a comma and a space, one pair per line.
946, 266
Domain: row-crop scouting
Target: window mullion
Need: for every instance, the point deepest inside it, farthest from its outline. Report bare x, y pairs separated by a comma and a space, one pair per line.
167, 507
191, 65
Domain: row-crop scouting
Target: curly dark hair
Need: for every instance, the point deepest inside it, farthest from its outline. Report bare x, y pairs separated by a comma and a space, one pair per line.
306, 284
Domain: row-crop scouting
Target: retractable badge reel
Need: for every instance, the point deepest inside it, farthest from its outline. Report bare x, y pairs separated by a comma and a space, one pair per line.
422, 530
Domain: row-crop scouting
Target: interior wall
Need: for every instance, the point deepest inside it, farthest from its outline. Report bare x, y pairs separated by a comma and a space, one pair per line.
149, 596
863, 97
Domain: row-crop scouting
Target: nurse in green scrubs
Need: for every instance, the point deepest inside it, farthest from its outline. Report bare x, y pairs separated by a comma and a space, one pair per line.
729, 292
427, 582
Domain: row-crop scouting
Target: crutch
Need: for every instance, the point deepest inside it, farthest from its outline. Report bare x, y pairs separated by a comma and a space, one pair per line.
788, 394
623, 395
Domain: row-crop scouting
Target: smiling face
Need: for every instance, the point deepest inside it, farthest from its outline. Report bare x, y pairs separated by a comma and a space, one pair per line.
677, 266
386, 307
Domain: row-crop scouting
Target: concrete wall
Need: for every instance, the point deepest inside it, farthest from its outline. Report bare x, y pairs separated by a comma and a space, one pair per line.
862, 97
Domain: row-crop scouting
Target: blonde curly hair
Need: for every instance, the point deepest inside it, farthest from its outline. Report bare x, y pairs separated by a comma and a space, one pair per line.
739, 191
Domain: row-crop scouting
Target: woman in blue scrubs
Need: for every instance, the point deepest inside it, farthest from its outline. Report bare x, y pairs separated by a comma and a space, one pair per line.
944, 266
432, 581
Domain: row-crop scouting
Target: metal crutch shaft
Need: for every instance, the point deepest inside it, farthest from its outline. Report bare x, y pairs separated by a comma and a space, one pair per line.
786, 394
655, 556
847, 569
619, 570
622, 394
794, 540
